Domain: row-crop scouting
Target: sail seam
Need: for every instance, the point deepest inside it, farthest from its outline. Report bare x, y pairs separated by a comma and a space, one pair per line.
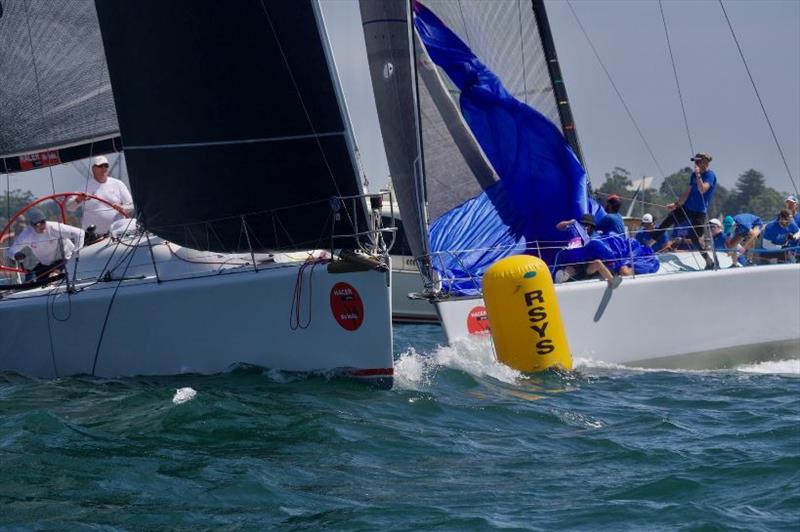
229, 142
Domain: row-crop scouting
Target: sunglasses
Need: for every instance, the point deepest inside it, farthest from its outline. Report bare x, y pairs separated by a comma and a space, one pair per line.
38, 223
102, 165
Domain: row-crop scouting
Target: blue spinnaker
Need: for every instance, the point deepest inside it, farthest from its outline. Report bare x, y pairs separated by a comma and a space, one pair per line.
541, 179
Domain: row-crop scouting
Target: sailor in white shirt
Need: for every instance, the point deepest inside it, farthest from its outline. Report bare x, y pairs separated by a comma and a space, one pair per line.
51, 242
103, 186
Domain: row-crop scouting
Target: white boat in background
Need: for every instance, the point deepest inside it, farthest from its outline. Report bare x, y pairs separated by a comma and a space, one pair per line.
239, 151
443, 179
408, 302
682, 317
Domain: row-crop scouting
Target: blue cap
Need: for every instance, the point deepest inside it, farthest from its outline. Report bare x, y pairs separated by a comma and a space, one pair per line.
35, 216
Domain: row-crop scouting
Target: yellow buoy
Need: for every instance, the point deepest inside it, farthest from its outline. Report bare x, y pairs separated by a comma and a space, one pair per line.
523, 313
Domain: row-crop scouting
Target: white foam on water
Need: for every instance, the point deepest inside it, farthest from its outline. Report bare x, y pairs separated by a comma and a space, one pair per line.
183, 395
777, 367
476, 357
782, 367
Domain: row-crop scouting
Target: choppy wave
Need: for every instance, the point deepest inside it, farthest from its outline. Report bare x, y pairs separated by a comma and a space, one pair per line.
415, 370
461, 443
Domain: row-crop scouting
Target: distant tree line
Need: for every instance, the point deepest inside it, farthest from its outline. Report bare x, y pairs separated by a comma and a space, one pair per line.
11, 201
750, 194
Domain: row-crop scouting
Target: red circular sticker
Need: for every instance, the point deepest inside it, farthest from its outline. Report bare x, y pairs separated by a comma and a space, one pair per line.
478, 321
347, 307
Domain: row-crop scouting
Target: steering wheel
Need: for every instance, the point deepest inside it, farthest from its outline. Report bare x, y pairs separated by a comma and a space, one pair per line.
61, 200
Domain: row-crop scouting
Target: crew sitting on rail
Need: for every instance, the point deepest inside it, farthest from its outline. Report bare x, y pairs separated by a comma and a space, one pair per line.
779, 234
52, 244
746, 229
720, 236
97, 213
586, 258
647, 236
679, 239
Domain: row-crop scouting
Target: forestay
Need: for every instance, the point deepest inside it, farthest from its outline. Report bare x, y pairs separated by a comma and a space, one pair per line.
55, 93
235, 132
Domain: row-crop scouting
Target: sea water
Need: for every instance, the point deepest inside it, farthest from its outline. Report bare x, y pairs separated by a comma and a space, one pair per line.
460, 443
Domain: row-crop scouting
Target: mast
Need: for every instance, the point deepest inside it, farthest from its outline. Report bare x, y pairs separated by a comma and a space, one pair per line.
560, 90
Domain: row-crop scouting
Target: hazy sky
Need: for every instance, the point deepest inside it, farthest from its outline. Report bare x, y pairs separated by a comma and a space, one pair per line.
724, 115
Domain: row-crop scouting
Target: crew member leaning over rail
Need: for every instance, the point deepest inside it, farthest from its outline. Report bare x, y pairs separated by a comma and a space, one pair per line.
746, 229
52, 243
590, 257
779, 234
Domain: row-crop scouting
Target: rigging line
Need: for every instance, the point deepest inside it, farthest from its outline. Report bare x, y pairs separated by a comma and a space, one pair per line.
111, 304
758, 96
300, 97
50, 331
464, 22
522, 53
619, 94
677, 80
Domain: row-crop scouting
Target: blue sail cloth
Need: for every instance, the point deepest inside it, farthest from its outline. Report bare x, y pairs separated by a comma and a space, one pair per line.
541, 179
474, 236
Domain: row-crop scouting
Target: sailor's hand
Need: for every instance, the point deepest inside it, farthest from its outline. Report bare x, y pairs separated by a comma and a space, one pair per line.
563, 225
19, 256
80, 198
672, 206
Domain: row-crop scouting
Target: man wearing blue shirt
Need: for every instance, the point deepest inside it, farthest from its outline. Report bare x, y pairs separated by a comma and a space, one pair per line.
693, 204
612, 222
648, 236
778, 234
746, 229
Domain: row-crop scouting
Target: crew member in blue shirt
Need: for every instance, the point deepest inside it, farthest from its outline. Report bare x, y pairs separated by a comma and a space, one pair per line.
745, 231
693, 204
720, 236
779, 234
612, 221
648, 236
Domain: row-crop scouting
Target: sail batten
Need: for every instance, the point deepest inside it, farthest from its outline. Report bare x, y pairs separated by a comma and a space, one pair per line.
240, 141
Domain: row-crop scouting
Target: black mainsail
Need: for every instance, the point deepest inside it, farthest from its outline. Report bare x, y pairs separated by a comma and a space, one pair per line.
234, 128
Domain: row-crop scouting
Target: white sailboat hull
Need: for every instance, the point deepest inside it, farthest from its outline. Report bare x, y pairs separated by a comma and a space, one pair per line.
693, 320
200, 324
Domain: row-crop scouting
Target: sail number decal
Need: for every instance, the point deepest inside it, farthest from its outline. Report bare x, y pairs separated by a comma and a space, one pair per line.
346, 306
478, 321
39, 160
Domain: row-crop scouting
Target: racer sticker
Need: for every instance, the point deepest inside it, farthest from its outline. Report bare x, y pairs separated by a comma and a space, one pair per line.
347, 307
478, 321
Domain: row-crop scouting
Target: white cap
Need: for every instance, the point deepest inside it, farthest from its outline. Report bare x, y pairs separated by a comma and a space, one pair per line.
792, 198
100, 159
715, 221
647, 218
